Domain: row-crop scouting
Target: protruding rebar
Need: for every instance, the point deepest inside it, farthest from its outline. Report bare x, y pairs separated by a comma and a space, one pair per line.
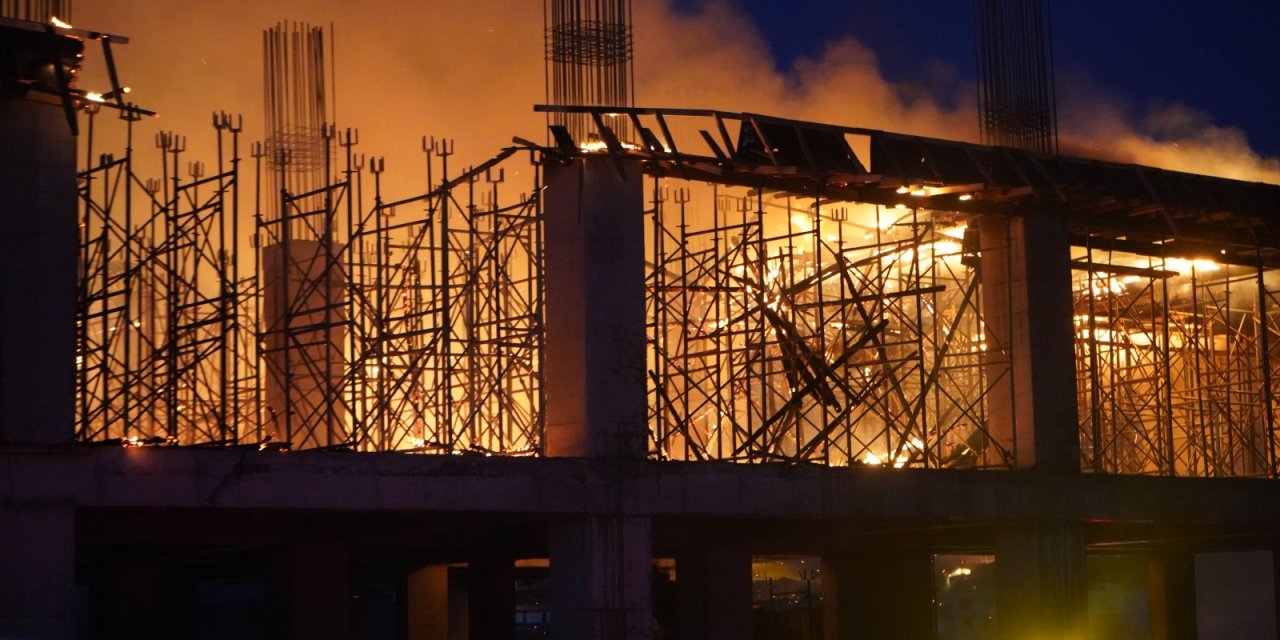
589, 60
1016, 102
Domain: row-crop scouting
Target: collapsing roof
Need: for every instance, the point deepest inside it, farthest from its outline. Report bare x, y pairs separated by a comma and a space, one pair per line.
1131, 207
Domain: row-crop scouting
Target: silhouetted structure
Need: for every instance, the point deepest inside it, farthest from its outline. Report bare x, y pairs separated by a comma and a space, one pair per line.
686, 353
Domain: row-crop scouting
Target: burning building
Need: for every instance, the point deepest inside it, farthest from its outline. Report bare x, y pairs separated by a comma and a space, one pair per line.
588, 400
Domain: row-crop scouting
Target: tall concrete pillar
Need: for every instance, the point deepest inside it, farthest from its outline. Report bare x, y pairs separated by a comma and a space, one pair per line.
303, 294
1041, 588
427, 603
491, 587
37, 571
310, 591
37, 273
873, 596
1171, 596
713, 594
595, 313
1027, 306
601, 578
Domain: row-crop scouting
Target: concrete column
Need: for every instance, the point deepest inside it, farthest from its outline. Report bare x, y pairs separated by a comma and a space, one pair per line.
713, 594
601, 579
37, 571
872, 596
303, 289
310, 594
427, 601
595, 313
1041, 588
1027, 306
491, 587
1171, 593
37, 273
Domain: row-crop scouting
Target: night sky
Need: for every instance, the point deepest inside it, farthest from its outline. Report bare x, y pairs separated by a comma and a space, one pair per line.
1189, 86
1221, 59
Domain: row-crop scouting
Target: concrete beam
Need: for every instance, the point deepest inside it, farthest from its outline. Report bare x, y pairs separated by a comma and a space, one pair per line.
170, 478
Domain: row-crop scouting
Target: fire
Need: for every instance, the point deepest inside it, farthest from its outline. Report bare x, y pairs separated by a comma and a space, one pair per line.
59, 23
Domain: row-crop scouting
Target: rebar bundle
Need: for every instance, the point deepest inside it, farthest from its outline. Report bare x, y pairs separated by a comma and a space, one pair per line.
589, 59
1016, 102
36, 10
298, 110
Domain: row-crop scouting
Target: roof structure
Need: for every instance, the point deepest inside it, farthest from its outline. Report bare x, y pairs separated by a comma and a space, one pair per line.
1136, 208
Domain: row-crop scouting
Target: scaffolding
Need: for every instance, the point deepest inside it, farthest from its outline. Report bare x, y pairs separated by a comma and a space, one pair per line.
426, 336
165, 354
797, 329
1174, 362
843, 321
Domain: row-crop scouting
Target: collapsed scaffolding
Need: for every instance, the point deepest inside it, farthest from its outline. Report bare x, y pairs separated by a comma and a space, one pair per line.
799, 329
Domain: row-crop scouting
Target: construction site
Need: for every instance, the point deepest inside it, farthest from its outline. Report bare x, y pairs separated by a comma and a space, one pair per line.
650, 373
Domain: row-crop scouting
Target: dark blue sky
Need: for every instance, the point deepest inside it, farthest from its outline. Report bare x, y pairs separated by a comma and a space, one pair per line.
1221, 58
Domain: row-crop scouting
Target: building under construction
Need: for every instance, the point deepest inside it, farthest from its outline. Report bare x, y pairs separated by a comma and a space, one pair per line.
695, 374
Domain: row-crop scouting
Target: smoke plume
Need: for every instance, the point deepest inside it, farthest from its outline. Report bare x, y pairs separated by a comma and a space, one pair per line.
471, 70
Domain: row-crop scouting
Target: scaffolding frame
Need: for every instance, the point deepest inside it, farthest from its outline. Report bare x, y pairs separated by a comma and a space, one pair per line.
789, 319
164, 353
817, 339
428, 332
1174, 361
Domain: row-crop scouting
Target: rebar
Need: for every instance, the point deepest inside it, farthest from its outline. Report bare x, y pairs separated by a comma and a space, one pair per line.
589, 60
1016, 96
36, 10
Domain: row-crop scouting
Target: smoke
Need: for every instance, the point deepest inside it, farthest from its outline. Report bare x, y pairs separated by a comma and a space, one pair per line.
711, 56
1166, 135
471, 70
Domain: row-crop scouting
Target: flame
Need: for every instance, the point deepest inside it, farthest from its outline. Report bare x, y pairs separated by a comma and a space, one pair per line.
58, 23
94, 96
1183, 265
